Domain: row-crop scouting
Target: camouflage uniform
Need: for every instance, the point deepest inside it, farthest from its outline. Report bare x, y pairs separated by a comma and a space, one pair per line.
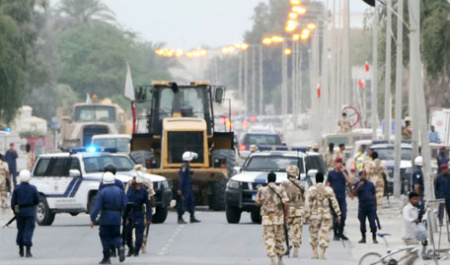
272, 218
148, 185
329, 159
4, 182
345, 124
375, 170
296, 202
318, 210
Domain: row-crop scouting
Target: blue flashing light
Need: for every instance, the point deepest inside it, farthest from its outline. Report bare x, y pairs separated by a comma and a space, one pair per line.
109, 149
8, 129
91, 149
281, 148
264, 148
300, 149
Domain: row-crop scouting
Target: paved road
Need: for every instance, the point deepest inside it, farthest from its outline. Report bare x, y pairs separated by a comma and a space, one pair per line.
71, 241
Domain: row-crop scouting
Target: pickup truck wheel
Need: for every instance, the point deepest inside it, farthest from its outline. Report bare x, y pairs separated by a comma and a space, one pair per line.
91, 207
217, 198
73, 214
255, 216
233, 214
160, 216
44, 216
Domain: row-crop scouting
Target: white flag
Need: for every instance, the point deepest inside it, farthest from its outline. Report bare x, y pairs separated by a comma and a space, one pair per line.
88, 99
129, 89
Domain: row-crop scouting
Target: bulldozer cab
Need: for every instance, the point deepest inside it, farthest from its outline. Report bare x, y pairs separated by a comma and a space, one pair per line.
176, 100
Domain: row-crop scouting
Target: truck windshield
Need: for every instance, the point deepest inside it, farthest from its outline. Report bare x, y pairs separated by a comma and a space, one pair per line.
97, 163
271, 163
192, 102
121, 144
388, 153
95, 113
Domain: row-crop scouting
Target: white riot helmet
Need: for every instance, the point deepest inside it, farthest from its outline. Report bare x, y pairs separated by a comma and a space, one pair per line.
24, 175
418, 161
108, 178
189, 156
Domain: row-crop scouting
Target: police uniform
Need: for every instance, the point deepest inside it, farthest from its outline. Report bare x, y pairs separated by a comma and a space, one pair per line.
111, 201
375, 170
442, 191
318, 203
186, 200
135, 219
338, 184
296, 194
272, 213
417, 179
24, 199
441, 160
4, 171
366, 207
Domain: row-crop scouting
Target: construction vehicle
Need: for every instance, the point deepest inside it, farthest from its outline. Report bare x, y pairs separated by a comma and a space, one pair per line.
89, 119
179, 117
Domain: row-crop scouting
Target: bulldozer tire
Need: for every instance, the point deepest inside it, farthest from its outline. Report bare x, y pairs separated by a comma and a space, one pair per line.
217, 197
141, 156
230, 157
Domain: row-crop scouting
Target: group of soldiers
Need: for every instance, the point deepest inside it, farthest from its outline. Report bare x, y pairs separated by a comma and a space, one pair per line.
287, 206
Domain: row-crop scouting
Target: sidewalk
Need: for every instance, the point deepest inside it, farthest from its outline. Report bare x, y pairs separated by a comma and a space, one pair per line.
391, 222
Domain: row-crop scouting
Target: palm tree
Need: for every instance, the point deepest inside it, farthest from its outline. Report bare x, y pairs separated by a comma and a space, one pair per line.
76, 12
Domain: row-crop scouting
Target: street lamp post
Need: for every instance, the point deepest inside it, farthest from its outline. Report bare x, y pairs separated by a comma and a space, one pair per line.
387, 75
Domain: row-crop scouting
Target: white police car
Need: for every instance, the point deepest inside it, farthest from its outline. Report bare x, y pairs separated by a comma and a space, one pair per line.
69, 182
242, 188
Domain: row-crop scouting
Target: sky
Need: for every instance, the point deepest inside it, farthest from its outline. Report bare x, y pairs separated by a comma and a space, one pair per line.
188, 24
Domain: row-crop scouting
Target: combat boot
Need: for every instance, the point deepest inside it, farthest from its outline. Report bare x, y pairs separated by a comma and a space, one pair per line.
295, 255
363, 239
121, 253
374, 238
280, 260
194, 220
130, 252
105, 260
343, 237
272, 260
181, 221
315, 255
28, 252
322, 253
21, 250
113, 252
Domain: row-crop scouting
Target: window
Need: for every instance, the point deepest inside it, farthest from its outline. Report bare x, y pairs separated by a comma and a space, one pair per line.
41, 167
58, 167
262, 139
98, 163
95, 113
315, 162
269, 163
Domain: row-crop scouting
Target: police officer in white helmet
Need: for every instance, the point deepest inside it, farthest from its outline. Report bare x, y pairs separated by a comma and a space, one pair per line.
185, 196
418, 185
24, 200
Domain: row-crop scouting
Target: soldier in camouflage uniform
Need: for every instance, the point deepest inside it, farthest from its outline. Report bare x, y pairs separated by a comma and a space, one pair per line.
330, 156
375, 170
274, 214
4, 180
148, 185
319, 202
345, 124
296, 194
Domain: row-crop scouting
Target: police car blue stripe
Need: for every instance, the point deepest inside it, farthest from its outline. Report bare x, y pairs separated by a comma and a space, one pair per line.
67, 192
72, 189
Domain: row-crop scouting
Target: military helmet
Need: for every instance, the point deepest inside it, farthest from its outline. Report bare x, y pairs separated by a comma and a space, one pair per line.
24, 175
292, 171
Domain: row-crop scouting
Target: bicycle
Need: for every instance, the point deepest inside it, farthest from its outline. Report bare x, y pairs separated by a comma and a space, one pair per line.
399, 256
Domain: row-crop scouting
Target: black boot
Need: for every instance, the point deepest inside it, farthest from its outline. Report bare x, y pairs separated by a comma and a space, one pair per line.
194, 220
106, 260
113, 252
121, 253
21, 250
363, 239
181, 220
130, 252
374, 238
28, 252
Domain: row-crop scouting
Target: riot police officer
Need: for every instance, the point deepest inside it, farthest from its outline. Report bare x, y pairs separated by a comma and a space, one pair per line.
111, 168
137, 196
186, 198
111, 202
25, 197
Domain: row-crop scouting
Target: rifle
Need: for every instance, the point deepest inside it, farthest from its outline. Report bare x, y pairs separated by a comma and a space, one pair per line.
285, 228
9, 222
378, 221
128, 210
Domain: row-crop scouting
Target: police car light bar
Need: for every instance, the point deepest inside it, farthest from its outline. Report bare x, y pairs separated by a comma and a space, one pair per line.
282, 148
93, 149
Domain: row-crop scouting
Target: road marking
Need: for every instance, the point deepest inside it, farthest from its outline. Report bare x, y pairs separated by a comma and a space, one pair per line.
165, 249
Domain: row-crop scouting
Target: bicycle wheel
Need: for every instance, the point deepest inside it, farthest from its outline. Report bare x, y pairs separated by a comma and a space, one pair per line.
371, 258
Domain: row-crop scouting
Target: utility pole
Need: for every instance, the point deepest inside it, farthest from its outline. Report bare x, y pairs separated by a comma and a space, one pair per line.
284, 80
246, 82
261, 84
253, 109
240, 75
387, 75
375, 74
416, 73
398, 99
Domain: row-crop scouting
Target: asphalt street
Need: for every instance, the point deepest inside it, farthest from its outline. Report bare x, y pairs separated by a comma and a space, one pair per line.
71, 241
